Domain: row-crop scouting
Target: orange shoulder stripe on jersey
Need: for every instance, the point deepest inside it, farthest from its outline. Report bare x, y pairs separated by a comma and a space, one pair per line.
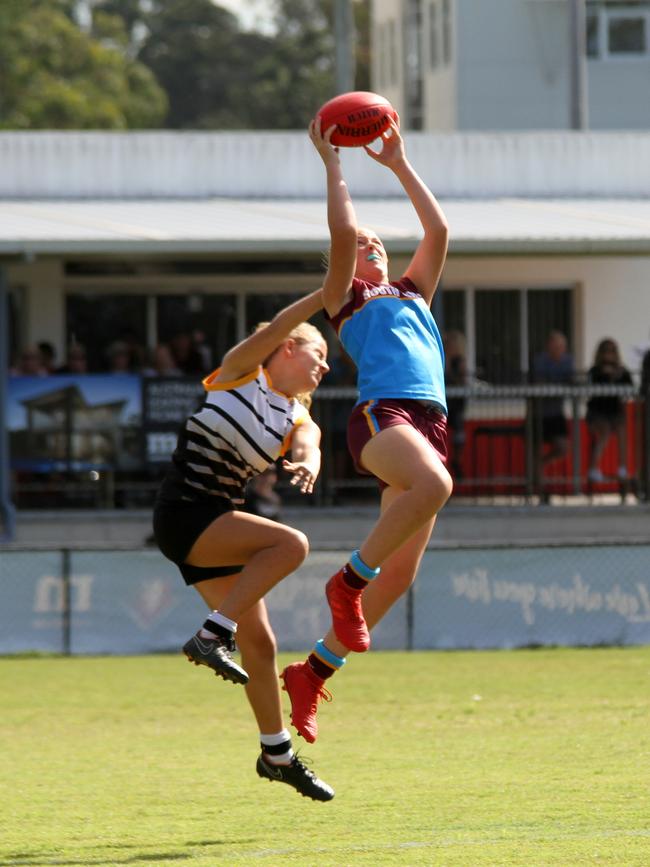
210, 385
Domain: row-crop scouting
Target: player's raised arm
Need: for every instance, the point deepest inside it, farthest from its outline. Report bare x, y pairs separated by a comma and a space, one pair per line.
253, 350
341, 220
428, 260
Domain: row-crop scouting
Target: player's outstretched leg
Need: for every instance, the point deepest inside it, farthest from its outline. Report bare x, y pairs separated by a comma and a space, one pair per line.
343, 592
295, 774
212, 646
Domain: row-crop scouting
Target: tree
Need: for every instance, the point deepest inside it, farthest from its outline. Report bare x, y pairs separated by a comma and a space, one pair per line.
217, 76
194, 49
56, 77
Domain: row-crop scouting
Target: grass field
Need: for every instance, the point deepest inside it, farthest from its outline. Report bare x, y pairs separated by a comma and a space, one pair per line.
491, 758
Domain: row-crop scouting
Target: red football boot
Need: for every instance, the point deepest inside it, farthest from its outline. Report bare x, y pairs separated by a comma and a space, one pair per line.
305, 689
347, 616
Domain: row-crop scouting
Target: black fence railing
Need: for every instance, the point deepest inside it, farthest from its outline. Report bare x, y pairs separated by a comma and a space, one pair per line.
74, 453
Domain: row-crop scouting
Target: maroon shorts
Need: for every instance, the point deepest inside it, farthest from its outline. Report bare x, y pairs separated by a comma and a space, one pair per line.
369, 418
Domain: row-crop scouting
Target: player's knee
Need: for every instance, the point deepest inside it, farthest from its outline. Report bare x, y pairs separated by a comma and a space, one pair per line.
437, 486
295, 547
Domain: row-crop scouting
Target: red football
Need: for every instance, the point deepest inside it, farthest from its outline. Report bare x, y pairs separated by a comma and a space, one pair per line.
360, 117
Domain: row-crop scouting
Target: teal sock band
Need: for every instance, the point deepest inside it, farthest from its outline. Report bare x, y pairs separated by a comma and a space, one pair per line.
327, 655
361, 569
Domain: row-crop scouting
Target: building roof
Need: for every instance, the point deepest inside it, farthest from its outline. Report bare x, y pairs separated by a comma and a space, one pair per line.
233, 226
262, 193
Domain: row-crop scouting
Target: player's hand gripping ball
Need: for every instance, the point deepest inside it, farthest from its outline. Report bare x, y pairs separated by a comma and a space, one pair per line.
360, 118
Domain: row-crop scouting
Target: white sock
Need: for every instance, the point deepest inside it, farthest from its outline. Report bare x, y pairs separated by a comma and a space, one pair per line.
274, 741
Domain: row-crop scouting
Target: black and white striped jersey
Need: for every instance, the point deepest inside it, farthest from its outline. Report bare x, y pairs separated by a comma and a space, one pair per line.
240, 429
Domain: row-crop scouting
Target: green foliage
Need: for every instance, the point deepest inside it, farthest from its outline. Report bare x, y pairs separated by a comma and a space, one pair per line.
513, 758
217, 76
54, 76
184, 64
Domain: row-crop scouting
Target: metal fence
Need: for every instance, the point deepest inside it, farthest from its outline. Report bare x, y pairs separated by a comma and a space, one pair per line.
497, 450
497, 445
126, 600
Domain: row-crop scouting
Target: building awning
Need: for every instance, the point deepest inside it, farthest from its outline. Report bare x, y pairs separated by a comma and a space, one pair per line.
227, 227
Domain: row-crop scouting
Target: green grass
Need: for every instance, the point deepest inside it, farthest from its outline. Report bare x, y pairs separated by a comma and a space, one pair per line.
493, 758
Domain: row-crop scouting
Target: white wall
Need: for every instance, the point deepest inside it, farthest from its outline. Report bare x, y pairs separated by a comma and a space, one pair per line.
40, 293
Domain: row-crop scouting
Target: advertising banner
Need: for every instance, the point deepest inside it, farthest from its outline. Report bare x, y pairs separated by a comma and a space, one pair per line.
166, 403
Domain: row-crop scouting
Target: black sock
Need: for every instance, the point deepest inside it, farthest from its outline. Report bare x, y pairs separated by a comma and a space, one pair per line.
217, 630
351, 578
320, 668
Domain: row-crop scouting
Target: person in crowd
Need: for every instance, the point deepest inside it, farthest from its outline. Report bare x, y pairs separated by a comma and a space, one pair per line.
255, 411
118, 356
186, 356
261, 498
135, 349
606, 413
397, 431
554, 366
161, 362
48, 355
200, 341
29, 363
456, 375
76, 361
342, 374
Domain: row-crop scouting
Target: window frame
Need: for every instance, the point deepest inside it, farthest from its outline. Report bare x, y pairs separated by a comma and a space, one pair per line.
604, 15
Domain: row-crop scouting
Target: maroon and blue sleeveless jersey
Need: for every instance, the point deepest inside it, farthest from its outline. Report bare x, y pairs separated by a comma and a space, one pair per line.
390, 334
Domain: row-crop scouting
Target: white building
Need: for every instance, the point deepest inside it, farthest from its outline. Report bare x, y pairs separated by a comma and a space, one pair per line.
506, 64
101, 233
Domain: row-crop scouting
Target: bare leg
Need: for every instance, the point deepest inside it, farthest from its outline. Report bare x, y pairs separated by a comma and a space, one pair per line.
302, 681
269, 550
396, 576
402, 458
256, 643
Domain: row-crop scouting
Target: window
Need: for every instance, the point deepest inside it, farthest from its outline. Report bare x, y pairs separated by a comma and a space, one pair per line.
626, 34
593, 49
434, 54
96, 321
215, 316
446, 31
392, 51
498, 335
616, 30
413, 63
505, 328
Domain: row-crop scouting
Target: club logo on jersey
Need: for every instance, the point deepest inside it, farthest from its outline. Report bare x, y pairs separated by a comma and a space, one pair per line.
386, 289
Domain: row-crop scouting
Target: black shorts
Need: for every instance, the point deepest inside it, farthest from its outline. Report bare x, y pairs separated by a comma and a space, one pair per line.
176, 527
